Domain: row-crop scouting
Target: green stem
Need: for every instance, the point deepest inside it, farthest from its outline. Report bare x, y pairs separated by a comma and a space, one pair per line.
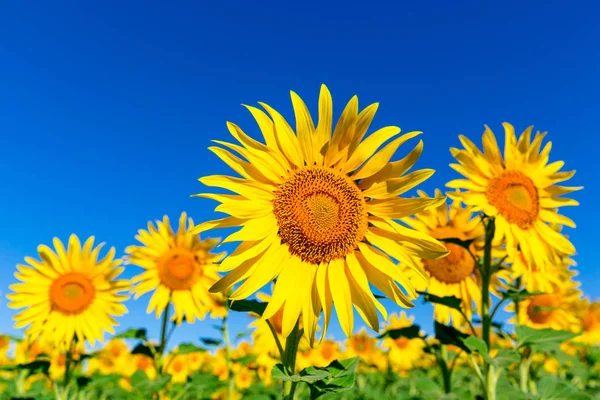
486, 320
443, 363
226, 341
279, 347
289, 359
163, 330
524, 375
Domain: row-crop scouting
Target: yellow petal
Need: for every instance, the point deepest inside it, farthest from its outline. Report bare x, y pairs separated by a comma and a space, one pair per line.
340, 291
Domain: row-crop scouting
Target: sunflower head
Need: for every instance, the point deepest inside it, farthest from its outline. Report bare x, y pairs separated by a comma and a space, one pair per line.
70, 293
179, 268
317, 207
519, 188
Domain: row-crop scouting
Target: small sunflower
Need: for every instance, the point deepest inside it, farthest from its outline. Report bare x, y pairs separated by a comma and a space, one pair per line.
70, 293
455, 274
179, 268
404, 353
589, 316
316, 207
535, 279
550, 310
519, 189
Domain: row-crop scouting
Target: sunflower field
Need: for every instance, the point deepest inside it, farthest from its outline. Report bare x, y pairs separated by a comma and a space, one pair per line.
325, 226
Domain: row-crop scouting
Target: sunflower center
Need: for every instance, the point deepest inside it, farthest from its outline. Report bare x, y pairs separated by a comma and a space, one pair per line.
177, 366
457, 265
178, 270
71, 293
541, 307
321, 214
402, 342
144, 363
516, 198
591, 320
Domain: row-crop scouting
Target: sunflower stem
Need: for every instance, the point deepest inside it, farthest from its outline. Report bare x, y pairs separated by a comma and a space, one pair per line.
279, 346
443, 363
226, 341
486, 320
163, 330
289, 359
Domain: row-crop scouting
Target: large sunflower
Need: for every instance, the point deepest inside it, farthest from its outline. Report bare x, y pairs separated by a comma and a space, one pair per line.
519, 189
455, 274
178, 267
70, 293
316, 208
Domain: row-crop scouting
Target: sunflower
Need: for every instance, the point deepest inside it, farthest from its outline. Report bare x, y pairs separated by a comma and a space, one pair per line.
404, 353
520, 190
69, 294
455, 274
179, 268
317, 213
535, 279
589, 316
550, 310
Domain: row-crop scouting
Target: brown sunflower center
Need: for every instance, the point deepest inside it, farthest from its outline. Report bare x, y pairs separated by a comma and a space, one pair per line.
178, 365
72, 293
402, 342
541, 308
178, 270
361, 346
457, 265
327, 351
143, 363
516, 198
321, 214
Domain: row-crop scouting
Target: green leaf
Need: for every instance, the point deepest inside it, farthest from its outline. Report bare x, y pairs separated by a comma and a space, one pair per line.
448, 301
410, 332
142, 349
553, 388
338, 376
529, 336
506, 357
476, 344
254, 306
279, 372
37, 366
245, 359
242, 335
210, 341
83, 381
462, 243
512, 294
450, 335
312, 374
186, 348
133, 333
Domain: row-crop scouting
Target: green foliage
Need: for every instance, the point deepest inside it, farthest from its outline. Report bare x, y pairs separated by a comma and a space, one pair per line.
448, 301
253, 306
133, 333
410, 332
450, 335
541, 340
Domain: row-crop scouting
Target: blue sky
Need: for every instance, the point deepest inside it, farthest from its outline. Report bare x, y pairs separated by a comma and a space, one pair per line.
107, 109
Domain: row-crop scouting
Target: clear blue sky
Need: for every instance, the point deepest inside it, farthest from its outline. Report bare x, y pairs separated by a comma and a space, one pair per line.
106, 109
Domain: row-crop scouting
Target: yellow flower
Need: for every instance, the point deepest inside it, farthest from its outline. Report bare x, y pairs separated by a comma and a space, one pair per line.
550, 310
455, 274
145, 364
69, 293
58, 364
177, 367
178, 267
28, 349
325, 353
219, 365
534, 278
551, 365
317, 212
589, 316
360, 344
223, 394
243, 378
404, 353
196, 360
520, 190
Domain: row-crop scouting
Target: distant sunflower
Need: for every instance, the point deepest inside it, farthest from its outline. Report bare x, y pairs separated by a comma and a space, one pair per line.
589, 316
520, 190
404, 353
179, 268
316, 211
535, 279
550, 310
70, 293
455, 274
